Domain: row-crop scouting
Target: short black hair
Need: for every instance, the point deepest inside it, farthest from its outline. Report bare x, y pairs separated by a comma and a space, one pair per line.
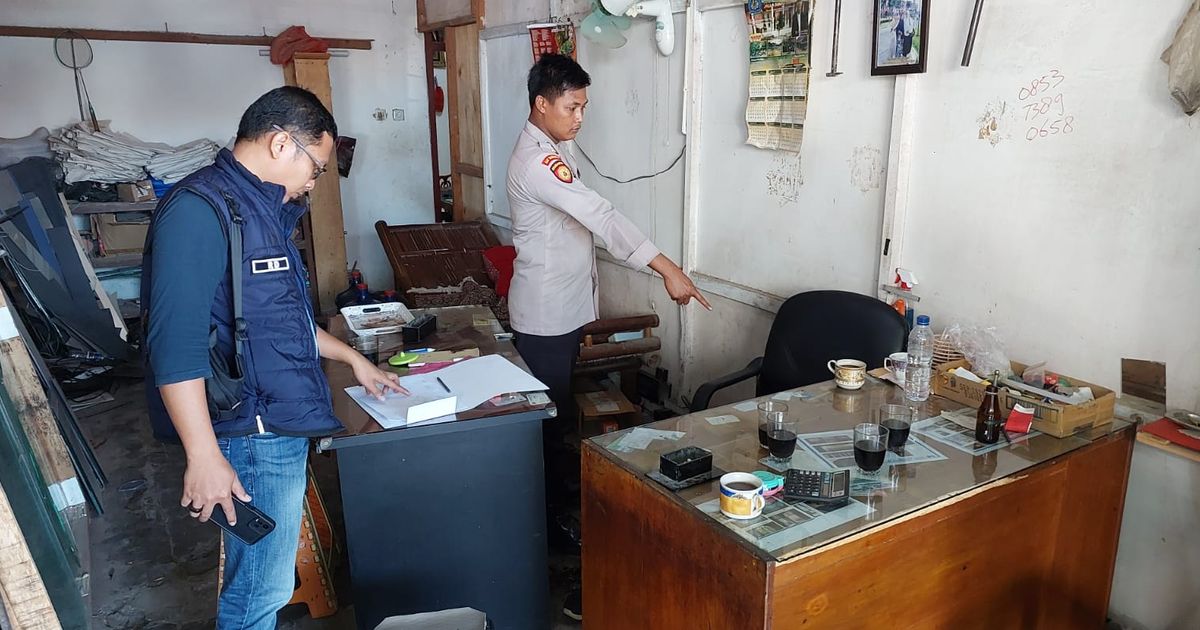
553, 75
298, 111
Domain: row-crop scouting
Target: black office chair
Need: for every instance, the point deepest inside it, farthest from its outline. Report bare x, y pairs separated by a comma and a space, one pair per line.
811, 329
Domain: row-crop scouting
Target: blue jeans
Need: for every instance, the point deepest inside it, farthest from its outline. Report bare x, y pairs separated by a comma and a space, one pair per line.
260, 578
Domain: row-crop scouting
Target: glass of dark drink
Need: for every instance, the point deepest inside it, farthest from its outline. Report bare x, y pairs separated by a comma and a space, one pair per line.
781, 441
769, 412
870, 446
897, 419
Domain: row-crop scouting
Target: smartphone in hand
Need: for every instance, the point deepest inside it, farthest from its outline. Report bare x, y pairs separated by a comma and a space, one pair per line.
252, 524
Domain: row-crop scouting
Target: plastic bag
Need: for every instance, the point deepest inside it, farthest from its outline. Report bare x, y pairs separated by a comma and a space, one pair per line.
1035, 375
1183, 60
982, 346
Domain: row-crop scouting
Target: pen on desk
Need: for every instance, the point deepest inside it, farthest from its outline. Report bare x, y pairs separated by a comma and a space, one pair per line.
443, 384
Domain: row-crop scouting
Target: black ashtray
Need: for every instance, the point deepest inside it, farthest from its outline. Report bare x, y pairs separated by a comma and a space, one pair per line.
685, 463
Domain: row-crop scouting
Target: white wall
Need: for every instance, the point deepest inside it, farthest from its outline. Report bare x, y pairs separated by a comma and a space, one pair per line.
178, 92
773, 224
1081, 248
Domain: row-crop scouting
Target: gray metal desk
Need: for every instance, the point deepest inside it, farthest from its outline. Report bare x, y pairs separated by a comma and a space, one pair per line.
445, 515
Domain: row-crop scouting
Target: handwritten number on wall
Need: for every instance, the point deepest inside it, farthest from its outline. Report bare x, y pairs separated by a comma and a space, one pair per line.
1047, 112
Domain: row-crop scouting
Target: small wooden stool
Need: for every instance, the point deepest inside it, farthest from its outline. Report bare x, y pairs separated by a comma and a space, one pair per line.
317, 551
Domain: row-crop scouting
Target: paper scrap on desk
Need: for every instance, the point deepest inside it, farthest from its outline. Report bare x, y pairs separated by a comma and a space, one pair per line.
749, 405
964, 418
607, 407
798, 393
719, 420
641, 437
424, 402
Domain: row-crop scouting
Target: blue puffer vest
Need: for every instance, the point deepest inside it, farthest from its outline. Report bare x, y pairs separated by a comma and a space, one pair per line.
284, 386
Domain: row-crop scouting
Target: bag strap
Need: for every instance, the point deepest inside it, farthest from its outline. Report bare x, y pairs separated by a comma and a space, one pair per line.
235, 271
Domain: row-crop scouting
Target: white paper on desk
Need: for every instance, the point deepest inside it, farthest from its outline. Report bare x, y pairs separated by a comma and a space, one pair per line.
718, 420
749, 405
391, 424
641, 437
396, 410
790, 395
476, 381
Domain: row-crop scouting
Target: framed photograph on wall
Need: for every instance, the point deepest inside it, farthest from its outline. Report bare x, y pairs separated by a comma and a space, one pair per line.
900, 40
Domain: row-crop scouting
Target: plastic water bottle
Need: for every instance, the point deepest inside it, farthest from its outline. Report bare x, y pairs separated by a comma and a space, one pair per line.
920, 361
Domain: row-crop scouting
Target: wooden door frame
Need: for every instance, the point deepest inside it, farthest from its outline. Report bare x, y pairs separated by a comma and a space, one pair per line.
457, 167
431, 48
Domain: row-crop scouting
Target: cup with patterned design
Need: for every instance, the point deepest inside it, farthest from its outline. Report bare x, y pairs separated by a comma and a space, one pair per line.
848, 373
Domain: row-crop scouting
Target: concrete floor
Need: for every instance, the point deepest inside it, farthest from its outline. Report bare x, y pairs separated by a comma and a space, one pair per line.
154, 568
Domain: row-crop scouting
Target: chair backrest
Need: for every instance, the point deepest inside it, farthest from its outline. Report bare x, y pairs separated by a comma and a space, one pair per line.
814, 327
436, 254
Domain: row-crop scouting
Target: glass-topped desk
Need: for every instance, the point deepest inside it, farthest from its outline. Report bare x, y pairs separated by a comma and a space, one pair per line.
915, 540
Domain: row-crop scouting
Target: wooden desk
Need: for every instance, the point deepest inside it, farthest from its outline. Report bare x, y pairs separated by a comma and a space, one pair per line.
444, 515
1023, 537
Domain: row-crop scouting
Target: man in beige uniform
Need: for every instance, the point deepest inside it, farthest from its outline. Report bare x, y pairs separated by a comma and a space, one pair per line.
556, 218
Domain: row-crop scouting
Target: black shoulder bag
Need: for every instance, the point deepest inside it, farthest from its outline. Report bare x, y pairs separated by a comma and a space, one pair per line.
224, 387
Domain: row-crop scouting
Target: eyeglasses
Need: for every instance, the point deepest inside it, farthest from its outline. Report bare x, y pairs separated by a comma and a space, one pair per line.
318, 167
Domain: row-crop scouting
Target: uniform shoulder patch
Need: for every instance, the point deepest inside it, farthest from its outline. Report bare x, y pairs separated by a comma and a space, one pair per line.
558, 168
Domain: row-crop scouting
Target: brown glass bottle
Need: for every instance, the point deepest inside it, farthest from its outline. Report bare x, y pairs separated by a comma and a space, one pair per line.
987, 420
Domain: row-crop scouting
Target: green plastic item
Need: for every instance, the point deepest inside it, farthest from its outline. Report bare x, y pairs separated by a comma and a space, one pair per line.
770, 480
402, 359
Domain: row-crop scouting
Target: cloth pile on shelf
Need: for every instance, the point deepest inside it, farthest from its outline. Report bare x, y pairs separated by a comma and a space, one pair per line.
112, 157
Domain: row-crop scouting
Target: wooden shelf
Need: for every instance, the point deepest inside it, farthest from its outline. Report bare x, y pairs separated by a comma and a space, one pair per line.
116, 260
101, 207
1156, 442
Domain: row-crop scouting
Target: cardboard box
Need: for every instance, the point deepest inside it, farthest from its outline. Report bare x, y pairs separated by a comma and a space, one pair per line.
605, 412
136, 191
947, 385
124, 236
1057, 419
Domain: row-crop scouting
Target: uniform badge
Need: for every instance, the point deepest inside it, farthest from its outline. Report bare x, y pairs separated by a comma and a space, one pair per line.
559, 168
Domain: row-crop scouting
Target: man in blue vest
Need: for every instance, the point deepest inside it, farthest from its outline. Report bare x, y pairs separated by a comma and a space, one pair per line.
257, 450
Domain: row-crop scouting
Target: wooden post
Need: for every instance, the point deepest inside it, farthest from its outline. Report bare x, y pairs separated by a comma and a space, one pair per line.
29, 400
466, 121
327, 238
24, 595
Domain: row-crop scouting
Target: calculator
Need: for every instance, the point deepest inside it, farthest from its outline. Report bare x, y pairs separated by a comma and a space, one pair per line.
817, 486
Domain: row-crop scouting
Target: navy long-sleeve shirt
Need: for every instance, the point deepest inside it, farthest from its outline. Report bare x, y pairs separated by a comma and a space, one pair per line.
190, 256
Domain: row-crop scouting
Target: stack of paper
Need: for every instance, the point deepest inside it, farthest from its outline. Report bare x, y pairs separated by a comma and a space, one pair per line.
454, 389
112, 157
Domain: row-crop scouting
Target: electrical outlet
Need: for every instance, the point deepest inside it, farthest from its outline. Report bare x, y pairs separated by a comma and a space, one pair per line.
380, 115
398, 114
